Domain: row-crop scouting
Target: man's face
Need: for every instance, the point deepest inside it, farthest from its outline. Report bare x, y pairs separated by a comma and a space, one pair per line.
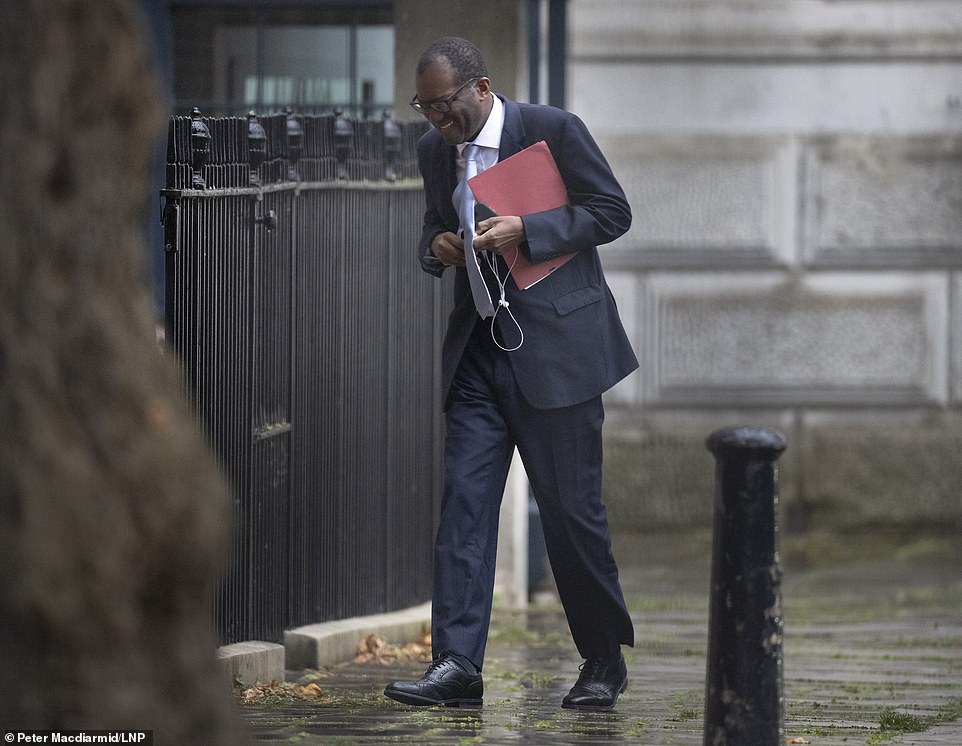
469, 106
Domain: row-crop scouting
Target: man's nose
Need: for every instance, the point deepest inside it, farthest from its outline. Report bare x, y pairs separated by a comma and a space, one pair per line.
434, 117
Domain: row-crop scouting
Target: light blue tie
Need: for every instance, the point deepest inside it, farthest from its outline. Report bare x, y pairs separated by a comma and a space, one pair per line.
465, 202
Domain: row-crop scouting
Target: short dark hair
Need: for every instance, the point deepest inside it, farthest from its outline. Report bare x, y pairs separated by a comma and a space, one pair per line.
465, 58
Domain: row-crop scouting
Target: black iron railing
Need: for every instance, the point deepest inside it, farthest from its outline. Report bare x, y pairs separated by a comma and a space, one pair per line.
310, 340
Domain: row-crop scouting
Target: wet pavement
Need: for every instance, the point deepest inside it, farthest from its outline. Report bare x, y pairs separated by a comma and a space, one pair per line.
872, 650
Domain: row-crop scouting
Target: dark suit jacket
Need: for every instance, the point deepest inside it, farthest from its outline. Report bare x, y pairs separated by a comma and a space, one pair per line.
575, 346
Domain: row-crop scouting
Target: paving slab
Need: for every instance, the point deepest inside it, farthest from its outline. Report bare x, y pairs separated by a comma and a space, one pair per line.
872, 651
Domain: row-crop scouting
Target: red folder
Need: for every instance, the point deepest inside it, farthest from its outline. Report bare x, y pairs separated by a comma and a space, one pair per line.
524, 183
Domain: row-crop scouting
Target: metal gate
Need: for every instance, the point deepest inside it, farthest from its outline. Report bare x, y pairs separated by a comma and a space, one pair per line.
310, 345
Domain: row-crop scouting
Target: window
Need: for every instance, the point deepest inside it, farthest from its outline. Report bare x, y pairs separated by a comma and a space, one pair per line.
228, 62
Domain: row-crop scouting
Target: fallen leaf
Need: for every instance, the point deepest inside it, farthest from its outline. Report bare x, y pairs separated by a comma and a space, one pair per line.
373, 648
312, 691
284, 692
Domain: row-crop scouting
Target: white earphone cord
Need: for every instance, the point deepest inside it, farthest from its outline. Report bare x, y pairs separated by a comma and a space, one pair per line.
503, 301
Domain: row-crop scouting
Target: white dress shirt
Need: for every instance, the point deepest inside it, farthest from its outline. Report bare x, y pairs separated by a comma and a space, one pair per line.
488, 139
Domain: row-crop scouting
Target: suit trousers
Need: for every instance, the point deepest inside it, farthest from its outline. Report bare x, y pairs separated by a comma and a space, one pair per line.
561, 449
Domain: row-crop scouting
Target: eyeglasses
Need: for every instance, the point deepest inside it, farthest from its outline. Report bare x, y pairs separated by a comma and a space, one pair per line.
441, 105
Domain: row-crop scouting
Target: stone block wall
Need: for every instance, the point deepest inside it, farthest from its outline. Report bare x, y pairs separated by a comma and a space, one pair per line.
795, 172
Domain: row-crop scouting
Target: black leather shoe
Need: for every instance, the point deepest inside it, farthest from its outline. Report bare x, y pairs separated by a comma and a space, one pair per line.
446, 682
599, 684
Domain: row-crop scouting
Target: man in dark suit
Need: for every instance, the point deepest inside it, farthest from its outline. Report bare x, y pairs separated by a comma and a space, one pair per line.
540, 392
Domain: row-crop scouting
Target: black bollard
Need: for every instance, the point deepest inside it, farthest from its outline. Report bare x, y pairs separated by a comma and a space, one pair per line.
743, 692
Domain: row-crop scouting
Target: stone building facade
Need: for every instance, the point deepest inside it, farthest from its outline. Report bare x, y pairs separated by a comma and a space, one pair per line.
795, 171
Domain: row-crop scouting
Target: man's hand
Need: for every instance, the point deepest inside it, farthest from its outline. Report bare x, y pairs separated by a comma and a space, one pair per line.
449, 249
499, 234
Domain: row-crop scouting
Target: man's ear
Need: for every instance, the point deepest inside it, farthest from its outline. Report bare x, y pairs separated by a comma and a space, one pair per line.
484, 86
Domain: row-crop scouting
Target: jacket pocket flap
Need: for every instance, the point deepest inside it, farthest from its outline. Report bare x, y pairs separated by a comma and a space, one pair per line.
578, 299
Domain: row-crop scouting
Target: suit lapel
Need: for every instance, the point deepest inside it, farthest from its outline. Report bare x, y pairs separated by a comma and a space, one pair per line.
512, 134
445, 166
